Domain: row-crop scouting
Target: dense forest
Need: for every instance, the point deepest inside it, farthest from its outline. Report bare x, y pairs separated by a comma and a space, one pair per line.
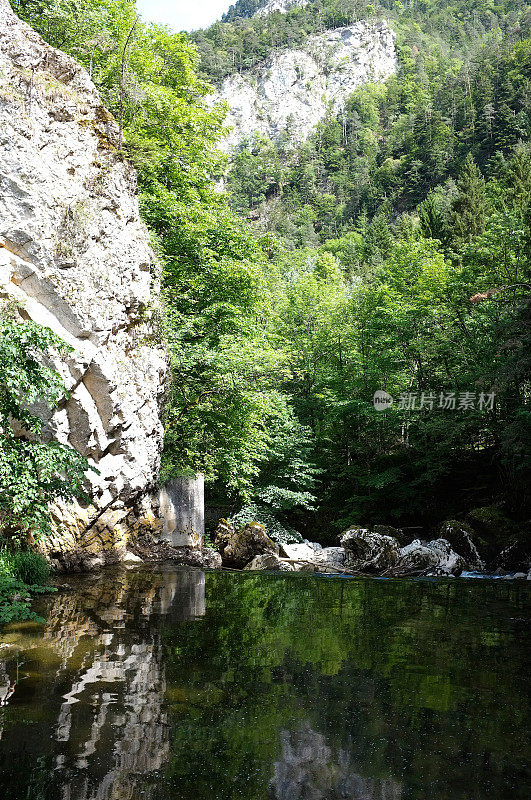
388, 252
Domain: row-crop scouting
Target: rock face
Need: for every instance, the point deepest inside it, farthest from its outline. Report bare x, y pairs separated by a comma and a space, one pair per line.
75, 256
295, 89
279, 5
182, 505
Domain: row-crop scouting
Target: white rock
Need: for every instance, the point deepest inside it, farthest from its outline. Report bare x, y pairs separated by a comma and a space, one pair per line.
314, 545
435, 557
269, 561
94, 562
331, 556
279, 5
296, 89
131, 558
299, 552
75, 256
368, 551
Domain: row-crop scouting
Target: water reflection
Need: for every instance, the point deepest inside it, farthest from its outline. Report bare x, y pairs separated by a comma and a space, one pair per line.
102, 646
169, 684
308, 770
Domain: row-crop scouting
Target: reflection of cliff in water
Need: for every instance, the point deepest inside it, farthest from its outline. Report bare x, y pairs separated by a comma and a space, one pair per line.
102, 692
308, 770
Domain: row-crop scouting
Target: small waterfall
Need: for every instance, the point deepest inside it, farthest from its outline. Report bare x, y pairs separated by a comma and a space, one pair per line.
478, 561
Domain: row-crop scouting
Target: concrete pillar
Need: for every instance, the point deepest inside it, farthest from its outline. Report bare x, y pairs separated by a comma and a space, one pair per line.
182, 508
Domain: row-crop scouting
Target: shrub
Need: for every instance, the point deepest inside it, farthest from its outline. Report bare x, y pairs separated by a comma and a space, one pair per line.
30, 567
23, 574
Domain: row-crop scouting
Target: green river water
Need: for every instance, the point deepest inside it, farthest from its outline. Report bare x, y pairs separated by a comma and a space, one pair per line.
173, 684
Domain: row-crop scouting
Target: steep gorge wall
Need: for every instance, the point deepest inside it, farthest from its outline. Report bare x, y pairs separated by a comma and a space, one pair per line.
75, 256
295, 89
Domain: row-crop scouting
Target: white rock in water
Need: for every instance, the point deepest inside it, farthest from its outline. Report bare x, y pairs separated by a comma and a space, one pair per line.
75, 256
435, 557
296, 89
332, 556
297, 552
368, 551
131, 558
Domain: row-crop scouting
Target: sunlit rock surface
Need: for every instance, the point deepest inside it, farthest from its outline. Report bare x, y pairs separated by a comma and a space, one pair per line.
75, 256
295, 89
435, 557
279, 5
239, 547
464, 540
368, 551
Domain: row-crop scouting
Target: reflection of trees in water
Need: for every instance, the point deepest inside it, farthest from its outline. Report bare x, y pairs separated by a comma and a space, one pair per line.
308, 770
289, 688
105, 699
381, 669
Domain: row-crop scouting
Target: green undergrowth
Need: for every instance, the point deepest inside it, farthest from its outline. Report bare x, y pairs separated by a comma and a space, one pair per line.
23, 574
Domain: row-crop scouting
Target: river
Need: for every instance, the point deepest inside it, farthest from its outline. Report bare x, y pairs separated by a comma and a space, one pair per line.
173, 684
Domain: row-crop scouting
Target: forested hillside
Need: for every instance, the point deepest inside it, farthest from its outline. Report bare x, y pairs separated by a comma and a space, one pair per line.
389, 252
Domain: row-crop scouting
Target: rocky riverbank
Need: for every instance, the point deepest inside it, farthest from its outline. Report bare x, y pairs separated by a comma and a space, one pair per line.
492, 545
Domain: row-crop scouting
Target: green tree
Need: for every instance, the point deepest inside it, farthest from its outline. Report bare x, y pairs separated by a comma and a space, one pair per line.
467, 216
33, 471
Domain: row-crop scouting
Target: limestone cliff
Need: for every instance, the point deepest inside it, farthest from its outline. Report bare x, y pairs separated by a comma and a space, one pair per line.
279, 5
75, 256
295, 89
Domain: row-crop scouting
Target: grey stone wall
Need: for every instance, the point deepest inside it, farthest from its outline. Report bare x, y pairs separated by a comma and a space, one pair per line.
182, 509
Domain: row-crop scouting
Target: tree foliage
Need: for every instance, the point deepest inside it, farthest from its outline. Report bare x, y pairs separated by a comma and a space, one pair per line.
388, 251
33, 471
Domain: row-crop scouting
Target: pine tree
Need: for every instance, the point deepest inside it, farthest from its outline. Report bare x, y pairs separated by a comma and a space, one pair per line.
431, 220
467, 216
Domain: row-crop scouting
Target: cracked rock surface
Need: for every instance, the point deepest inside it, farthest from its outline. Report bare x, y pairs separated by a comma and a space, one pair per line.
295, 89
75, 256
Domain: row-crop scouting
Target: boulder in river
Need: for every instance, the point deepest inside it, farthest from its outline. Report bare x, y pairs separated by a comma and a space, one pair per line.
403, 537
516, 555
496, 534
433, 558
464, 540
368, 551
269, 561
240, 547
330, 559
224, 533
298, 552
